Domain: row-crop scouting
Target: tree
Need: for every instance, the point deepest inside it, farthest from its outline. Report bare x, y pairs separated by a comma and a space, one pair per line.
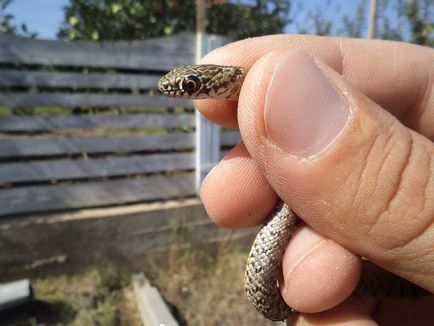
408, 20
321, 25
421, 21
6, 22
139, 19
238, 21
125, 19
354, 26
400, 20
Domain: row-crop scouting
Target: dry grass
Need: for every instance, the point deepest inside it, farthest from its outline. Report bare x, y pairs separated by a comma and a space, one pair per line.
201, 288
208, 290
99, 296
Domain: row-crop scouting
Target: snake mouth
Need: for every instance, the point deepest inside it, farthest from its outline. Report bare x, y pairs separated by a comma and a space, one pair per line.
169, 89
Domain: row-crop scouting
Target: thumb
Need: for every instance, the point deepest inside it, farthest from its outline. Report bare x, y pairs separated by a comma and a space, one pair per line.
346, 166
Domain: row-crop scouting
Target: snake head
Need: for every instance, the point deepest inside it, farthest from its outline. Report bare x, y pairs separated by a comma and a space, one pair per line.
203, 82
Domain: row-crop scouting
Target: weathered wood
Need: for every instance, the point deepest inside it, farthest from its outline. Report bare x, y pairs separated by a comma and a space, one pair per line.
29, 78
108, 144
92, 194
99, 167
153, 54
88, 100
50, 123
126, 235
230, 138
76, 238
148, 59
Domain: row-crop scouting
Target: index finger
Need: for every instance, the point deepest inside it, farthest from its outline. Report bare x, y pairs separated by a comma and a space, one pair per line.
397, 76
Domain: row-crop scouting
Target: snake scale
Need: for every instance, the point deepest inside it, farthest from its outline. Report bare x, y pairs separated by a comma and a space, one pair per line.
263, 266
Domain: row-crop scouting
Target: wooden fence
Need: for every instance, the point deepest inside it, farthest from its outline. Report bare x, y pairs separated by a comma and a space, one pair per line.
82, 125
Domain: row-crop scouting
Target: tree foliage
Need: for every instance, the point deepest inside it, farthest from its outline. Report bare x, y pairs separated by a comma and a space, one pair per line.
421, 18
238, 21
355, 26
125, 19
7, 24
408, 20
400, 20
321, 26
139, 19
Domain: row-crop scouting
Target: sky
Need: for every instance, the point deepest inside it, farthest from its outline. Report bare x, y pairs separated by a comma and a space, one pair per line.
330, 9
45, 16
41, 16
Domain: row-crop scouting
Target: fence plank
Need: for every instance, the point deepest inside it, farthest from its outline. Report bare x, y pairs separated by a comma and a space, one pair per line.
109, 144
146, 59
50, 123
88, 100
76, 79
99, 167
153, 54
61, 197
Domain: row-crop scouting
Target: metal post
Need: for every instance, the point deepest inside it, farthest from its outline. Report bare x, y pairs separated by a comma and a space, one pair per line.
207, 132
372, 28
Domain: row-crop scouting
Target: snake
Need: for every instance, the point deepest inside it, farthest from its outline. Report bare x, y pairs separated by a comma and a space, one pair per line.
263, 267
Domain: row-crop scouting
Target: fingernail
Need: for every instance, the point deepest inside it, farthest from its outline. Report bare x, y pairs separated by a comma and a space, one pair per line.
303, 111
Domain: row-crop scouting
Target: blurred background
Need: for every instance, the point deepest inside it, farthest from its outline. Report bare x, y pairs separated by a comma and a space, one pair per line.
403, 20
100, 222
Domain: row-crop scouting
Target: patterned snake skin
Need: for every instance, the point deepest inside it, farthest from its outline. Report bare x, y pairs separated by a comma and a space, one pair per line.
263, 266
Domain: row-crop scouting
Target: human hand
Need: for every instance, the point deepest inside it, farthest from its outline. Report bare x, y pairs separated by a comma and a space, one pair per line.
346, 142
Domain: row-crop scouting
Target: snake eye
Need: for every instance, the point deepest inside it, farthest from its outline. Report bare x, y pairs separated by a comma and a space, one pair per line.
191, 83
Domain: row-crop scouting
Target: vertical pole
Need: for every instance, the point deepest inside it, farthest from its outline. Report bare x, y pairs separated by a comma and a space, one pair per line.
200, 16
207, 132
372, 27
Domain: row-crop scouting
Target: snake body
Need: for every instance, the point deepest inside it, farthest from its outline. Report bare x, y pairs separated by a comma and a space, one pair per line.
263, 266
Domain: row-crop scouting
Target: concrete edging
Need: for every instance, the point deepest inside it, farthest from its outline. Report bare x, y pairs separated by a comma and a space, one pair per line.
152, 308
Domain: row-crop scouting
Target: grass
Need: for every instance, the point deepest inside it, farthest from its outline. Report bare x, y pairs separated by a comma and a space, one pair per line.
200, 289
202, 284
207, 289
98, 296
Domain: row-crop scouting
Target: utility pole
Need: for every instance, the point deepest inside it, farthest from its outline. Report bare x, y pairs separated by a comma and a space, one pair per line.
372, 27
